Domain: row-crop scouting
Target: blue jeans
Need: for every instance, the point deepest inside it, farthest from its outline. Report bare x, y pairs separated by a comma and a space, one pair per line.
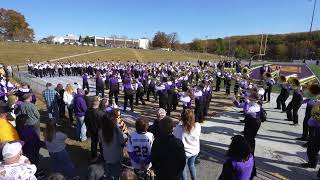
61, 162
53, 111
112, 171
190, 162
81, 128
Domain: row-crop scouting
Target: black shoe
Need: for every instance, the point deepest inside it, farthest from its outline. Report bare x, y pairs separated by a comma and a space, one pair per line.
295, 124
277, 108
307, 165
301, 139
305, 145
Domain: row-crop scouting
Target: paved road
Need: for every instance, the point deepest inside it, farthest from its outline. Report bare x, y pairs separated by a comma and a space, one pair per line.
276, 150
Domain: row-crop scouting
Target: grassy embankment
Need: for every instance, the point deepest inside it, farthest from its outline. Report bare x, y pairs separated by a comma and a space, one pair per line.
19, 53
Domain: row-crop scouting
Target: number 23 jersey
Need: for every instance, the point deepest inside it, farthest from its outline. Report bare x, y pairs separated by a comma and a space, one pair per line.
140, 146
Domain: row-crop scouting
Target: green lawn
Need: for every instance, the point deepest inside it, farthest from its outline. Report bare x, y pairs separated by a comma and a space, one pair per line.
315, 69
19, 53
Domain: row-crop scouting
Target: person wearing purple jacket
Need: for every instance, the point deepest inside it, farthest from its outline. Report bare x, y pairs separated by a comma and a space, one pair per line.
313, 141
80, 109
240, 161
85, 83
30, 138
99, 85
114, 89
314, 90
129, 91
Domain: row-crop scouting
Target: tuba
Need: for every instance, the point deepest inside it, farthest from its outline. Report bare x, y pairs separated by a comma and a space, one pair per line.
245, 70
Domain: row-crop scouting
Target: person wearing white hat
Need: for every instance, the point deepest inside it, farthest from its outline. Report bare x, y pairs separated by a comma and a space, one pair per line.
14, 165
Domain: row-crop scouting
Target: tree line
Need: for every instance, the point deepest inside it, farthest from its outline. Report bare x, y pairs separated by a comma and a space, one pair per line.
280, 47
13, 26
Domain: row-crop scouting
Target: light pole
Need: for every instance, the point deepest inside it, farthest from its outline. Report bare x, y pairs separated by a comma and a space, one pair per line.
314, 9
311, 24
206, 44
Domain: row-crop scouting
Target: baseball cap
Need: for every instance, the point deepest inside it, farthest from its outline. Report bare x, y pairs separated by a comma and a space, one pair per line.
4, 107
11, 149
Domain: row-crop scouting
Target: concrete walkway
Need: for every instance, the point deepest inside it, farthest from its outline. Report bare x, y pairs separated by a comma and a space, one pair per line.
277, 151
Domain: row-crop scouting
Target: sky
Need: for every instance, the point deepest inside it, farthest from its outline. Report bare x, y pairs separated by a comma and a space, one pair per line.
143, 18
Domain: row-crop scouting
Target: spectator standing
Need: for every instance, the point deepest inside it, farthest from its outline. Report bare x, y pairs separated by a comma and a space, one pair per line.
59, 157
31, 110
167, 154
112, 140
51, 97
80, 108
14, 165
7, 131
61, 104
240, 161
93, 120
188, 131
154, 128
31, 139
139, 146
14, 109
68, 97
24, 89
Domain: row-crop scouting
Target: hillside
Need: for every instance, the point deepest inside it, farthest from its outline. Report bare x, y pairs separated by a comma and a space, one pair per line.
280, 47
19, 53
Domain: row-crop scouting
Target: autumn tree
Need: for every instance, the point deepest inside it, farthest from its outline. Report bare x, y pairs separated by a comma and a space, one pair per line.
13, 26
174, 41
161, 40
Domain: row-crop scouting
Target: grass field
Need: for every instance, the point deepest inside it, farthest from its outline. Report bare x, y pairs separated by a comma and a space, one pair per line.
19, 53
315, 69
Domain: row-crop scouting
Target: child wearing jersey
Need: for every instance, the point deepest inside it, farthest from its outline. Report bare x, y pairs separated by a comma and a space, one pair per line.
139, 146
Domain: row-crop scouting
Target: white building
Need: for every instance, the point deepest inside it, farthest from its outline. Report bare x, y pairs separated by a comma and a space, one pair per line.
57, 40
120, 42
70, 38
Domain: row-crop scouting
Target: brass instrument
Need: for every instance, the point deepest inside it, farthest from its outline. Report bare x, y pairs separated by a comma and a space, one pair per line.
245, 70
306, 82
230, 70
267, 75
